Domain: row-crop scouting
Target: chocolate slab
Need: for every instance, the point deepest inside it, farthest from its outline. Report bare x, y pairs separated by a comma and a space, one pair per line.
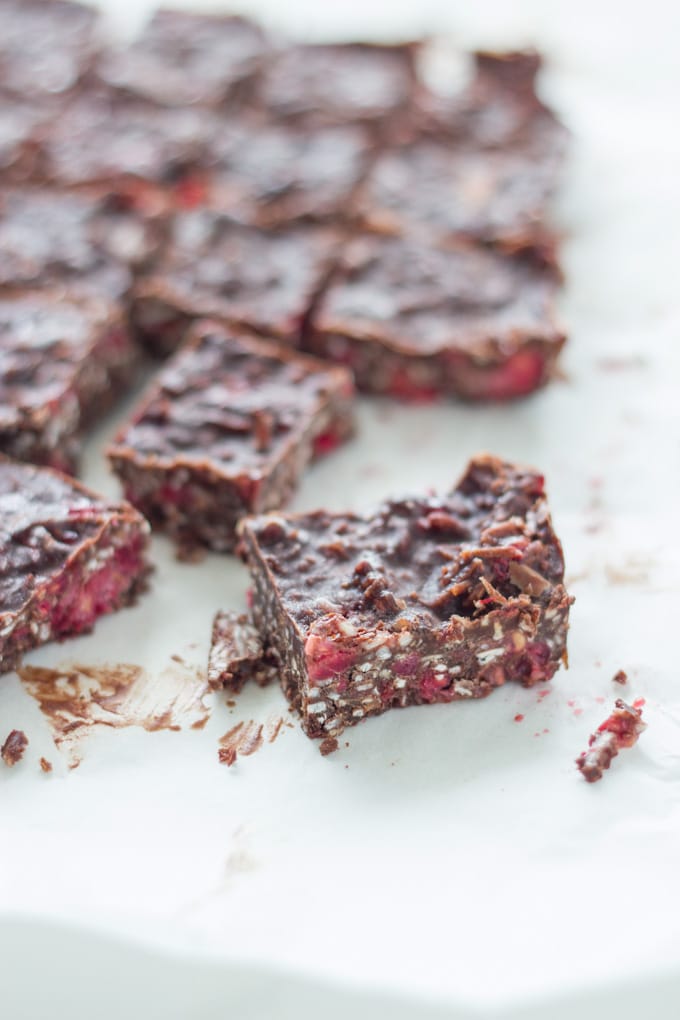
415, 321
226, 429
183, 58
263, 281
63, 360
50, 237
348, 83
426, 600
272, 174
66, 557
46, 46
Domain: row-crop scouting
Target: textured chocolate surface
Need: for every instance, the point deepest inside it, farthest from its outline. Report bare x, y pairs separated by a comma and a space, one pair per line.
100, 139
66, 556
45, 45
214, 267
50, 237
318, 85
227, 428
62, 360
237, 654
408, 316
182, 58
439, 190
426, 600
271, 173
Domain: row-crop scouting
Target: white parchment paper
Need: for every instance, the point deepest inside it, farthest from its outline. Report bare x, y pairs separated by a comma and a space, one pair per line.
450, 861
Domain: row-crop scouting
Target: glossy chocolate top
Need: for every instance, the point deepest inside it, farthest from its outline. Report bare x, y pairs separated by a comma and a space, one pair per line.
45, 340
44, 518
231, 403
217, 268
424, 559
182, 58
99, 137
45, 45
445, 190
266, 173
51, 237
339, 83
422, 300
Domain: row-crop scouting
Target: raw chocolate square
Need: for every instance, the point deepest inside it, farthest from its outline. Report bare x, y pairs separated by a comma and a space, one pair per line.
52, 237
438, 190
225, 430
265, 282
45, 46
426, 600
321, 84
66, 557
63, 359
182, 58
268, 174
416, 321
132, 149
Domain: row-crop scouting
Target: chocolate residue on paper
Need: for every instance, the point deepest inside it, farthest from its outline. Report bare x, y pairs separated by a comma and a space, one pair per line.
631, 572
76, 697
45, 765
245, 738
13, 749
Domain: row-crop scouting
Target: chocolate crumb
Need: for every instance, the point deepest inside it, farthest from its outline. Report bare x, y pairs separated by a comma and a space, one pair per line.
620, 677
45, 765
13, 749
328, 745
621, 729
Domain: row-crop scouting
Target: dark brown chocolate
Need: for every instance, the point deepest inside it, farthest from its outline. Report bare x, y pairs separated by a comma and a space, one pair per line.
439, 191
52, 237
184, 58
66, 557
417, 321
272, 174
237, 654
126, 148
212, 267
63, 360
46, 46
225, 430
348, 83
426, 600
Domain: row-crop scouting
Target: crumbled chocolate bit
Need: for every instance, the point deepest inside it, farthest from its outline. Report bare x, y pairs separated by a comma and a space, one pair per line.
328, 746
12, 751
45, 765
621, 729
620, 677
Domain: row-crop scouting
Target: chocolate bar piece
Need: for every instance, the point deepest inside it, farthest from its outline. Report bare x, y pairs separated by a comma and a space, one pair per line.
46, 46
139, 152
237, 654
439, 191
63, 360
415, 321
51, 237
66, 557
426, 600
184, 58
346, 83
225, 430
263, 281
272, 174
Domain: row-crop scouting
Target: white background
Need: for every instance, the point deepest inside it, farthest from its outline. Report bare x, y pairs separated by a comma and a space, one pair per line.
449, 862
